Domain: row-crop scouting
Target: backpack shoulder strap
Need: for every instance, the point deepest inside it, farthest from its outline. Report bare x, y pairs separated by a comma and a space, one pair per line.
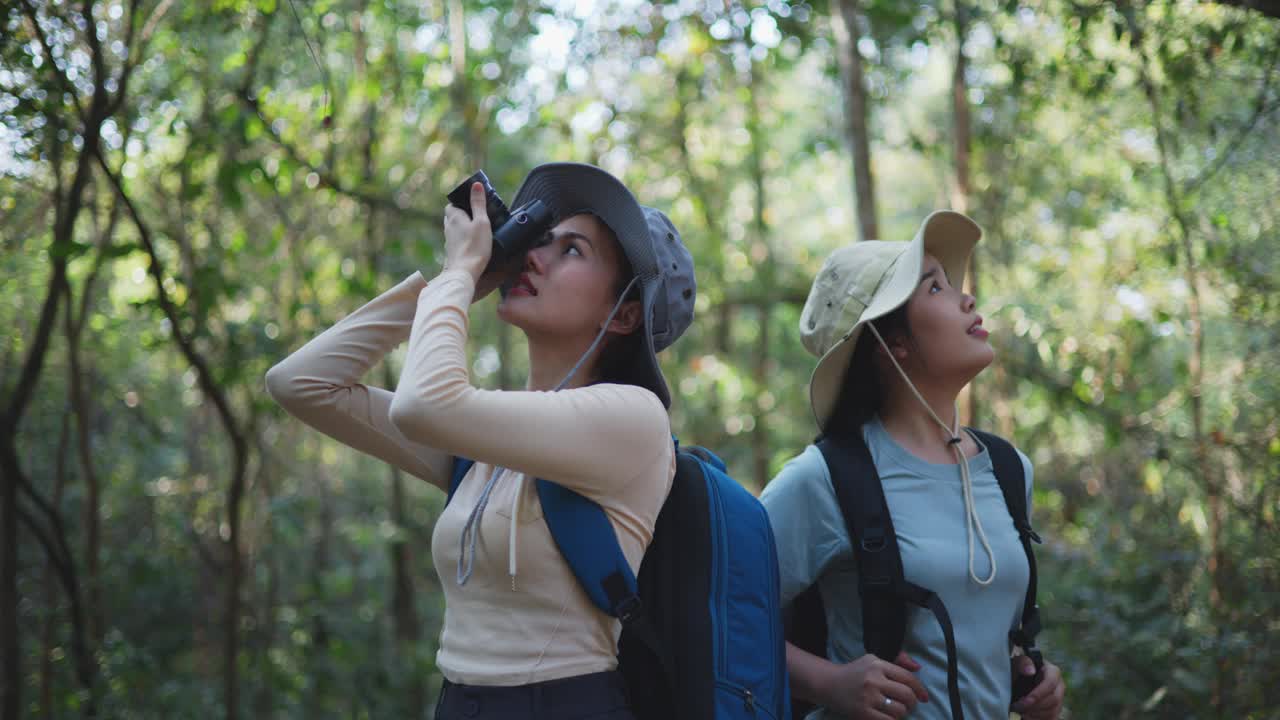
587, 541
875, 546
585, 538
882, 584
460, 467
1013, 485
1009, 473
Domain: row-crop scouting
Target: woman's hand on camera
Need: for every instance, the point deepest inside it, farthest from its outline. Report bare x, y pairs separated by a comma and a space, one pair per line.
871, 689
1044, 702
468, 241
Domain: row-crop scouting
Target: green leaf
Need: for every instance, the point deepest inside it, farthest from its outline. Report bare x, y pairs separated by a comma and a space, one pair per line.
120, 250
234, 61
69, 250
228, 187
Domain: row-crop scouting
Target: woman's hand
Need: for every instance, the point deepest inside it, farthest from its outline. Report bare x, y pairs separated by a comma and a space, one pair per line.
468, 241
871, 689
1044, 702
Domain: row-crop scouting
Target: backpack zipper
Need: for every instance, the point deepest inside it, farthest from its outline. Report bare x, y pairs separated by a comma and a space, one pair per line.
748, 699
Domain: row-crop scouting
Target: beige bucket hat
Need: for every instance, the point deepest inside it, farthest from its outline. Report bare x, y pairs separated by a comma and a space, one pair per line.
867, 280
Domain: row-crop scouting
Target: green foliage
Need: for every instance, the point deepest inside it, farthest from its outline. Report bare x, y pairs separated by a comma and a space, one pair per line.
1123, 155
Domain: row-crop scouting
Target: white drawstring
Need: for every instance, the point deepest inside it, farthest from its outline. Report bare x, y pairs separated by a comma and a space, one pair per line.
971, 511
473, 521
515, 528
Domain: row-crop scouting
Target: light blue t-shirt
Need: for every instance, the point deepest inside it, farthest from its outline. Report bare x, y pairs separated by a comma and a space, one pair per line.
926, 505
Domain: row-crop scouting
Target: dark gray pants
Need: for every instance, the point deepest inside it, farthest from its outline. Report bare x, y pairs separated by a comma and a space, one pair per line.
599, 696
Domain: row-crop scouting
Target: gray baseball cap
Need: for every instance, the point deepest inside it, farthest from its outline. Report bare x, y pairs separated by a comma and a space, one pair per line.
652, 244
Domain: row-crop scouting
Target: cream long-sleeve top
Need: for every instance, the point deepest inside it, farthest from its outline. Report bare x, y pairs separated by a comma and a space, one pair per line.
521, 617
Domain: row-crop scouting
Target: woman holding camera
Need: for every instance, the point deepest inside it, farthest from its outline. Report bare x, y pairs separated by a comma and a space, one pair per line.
898, 340
608, 286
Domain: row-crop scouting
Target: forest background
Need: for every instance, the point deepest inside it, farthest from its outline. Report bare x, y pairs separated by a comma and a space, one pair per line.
178, 215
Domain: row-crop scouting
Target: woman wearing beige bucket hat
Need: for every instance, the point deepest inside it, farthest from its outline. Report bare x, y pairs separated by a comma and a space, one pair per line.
897, 340
608, 286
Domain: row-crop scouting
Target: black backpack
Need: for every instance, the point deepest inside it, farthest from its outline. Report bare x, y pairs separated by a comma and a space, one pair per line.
884, 591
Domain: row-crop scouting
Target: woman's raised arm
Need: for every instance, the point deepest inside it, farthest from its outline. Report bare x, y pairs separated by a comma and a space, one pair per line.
320, 383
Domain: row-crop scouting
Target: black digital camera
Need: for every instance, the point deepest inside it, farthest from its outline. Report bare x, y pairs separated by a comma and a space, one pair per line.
514, 231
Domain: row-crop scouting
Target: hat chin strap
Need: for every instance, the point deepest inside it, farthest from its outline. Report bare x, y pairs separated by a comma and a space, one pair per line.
966, 483
599, 336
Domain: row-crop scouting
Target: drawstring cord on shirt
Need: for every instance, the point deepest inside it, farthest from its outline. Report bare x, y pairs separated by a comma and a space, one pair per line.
467, 560
971, 511
470, 531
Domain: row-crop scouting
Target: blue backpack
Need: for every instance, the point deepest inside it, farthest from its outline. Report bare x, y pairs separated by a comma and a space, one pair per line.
702, 633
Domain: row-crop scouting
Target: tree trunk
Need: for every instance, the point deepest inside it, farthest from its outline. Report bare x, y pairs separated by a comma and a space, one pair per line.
263, 698
475, 152
67, 211
408, 628
230, 425
404, 617
762, 254
11, 679
962, 139
320, 676
962, 135
51, 580
856, 112
69, 201
403, 604
1209, 480
74, 327
231, 638
710, 207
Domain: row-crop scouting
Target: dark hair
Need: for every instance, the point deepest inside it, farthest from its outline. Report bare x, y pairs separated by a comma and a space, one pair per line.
862, 393
623, 358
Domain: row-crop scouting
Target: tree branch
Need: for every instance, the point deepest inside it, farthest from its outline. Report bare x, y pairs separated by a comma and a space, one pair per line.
59, 552
132, 59
95, 45
59, 555
239, 445
329, 180
186, 344
203, 551
1260, 110
61, 77
51, 550
154, 20
34, 363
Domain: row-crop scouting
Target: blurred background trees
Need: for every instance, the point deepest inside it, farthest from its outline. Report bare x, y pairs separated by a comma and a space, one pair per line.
179, 214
